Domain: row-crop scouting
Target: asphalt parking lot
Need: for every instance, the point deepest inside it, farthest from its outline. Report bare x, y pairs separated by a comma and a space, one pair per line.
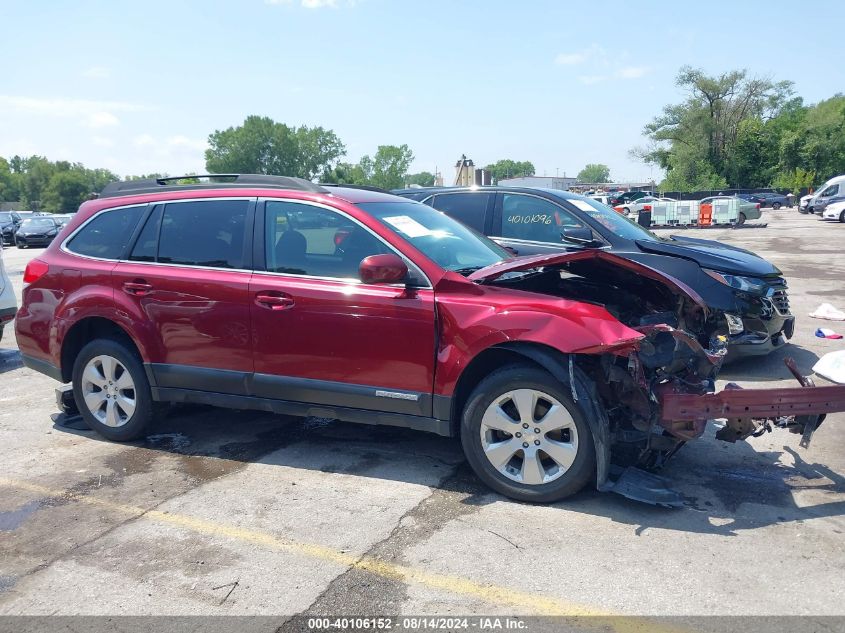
226, 512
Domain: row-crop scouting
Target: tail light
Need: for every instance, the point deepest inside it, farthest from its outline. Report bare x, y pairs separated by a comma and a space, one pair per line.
758, 205
340, 235
35, 270
646, 207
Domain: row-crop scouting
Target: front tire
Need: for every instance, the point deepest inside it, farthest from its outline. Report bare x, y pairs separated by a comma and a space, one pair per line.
112, 391
776, 206
526, 438
741, 219
842, 217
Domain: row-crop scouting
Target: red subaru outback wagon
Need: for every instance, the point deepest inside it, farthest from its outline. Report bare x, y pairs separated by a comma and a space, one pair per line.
277, 294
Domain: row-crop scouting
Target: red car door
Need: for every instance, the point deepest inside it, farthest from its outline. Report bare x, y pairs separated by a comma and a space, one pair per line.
323, 337
186, 287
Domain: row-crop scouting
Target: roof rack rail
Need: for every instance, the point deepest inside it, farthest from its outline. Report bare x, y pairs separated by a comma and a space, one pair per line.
214, 181
362, 187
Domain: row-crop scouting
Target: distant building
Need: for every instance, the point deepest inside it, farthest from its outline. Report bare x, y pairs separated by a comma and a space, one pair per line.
540, 182
467, 175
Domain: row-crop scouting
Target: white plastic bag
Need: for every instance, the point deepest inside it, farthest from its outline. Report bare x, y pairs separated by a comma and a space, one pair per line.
827, 311
832, 367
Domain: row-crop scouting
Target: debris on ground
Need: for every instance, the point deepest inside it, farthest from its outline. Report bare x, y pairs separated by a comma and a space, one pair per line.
829, 312
832, 367
824, 332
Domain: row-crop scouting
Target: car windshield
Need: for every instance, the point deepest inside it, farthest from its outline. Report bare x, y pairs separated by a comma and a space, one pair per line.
5, 217
613, 221
38, 223
442, 239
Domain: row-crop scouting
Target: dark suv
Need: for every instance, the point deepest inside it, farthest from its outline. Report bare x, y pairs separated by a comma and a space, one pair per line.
746, 294
276, 294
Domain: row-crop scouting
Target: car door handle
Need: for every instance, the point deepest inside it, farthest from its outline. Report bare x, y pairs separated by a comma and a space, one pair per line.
274, 300
137, 288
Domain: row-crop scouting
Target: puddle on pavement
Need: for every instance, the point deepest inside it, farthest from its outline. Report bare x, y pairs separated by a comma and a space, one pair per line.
13, 519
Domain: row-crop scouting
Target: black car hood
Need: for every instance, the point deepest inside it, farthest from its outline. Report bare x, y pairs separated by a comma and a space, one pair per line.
714, 255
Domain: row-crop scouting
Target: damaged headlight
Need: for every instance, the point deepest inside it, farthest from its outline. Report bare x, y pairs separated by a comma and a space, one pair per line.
746, 284
735, 325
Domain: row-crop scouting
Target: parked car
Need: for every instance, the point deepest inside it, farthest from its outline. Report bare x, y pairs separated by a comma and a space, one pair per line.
747, 210
8, 305
804, 203
36, 231
774, 200
625, 197
7, 228
383, 311
746, 295
62, 219
633, 209
831, 191
756, 198
835, 211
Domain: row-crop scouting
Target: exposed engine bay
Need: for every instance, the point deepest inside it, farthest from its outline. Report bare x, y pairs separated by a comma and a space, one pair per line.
659, 392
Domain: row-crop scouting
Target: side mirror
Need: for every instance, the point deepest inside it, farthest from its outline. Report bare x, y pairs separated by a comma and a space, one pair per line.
578, 235
382, 269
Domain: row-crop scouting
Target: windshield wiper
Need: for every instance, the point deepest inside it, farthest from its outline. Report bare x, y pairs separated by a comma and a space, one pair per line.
467, 271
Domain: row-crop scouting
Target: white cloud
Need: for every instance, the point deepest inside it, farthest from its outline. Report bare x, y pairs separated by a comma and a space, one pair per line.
172, 145
632, 72
96, 72
570, 59
86, 112
592, 79
579, 57
101, 119
143, 140
186, 143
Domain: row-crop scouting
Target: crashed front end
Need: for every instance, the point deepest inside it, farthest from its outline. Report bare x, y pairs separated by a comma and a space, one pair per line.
658, 392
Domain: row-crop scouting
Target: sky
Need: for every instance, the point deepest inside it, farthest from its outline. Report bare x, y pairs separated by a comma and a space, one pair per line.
137, 87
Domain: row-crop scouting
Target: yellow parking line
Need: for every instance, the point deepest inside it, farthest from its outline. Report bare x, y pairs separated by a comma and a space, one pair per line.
492, 594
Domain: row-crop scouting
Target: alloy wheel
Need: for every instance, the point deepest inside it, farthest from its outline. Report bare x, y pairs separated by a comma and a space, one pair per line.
108, 391
529, 436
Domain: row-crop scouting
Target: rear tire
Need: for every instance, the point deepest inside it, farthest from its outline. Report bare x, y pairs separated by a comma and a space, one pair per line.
741, 219
776, 206
525, 437
842, 217
111, 390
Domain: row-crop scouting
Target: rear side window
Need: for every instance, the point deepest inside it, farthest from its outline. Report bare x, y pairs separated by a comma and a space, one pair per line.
206, 233
534, 219
107, 235
467, 208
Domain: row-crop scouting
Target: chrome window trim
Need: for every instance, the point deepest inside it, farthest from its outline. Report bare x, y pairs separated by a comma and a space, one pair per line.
348, 280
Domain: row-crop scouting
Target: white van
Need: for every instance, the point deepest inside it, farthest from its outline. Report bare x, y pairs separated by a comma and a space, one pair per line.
835, 187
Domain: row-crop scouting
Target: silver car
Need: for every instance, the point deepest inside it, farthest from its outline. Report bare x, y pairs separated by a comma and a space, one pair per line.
8, 305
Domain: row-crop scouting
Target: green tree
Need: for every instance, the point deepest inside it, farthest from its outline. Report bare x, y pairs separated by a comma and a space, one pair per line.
507, 168
711, 127
264, 146
423, 179
594, 172
9, 182
387, 168
65, 191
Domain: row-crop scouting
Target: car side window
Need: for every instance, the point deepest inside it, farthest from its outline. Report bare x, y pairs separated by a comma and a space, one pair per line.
830, 191
107, 235
467, 208
303, 239
146, 248
531, 218
205, 233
